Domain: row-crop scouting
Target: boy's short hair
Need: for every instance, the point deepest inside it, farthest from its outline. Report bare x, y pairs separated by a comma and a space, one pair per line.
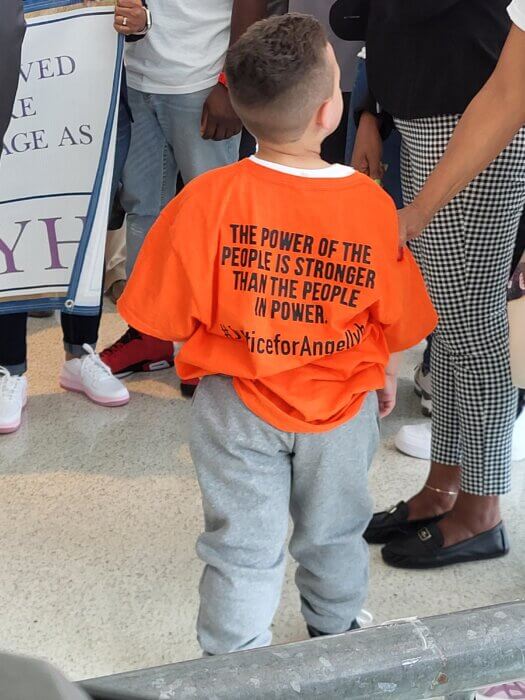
279, 75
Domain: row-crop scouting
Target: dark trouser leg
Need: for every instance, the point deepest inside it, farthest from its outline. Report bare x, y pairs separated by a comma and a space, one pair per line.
13, 345
79, 330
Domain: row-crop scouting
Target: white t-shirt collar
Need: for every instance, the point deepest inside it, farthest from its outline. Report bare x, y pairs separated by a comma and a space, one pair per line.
331, 172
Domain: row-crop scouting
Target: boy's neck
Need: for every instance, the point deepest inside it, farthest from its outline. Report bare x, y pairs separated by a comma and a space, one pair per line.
293, 155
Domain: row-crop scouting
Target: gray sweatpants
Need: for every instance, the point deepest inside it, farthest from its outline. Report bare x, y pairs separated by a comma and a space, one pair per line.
252, 476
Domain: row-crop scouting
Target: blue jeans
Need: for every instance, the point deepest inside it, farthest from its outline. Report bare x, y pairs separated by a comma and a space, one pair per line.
391, 147
165, 139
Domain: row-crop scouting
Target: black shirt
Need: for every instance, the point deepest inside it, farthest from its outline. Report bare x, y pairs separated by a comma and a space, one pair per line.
431, 57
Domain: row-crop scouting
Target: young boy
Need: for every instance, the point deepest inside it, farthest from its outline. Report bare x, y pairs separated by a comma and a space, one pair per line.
282, 273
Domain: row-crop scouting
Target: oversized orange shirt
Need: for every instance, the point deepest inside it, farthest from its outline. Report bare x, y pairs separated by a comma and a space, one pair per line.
291, 285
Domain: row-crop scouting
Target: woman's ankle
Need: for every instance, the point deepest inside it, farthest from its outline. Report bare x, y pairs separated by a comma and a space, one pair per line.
428, 504
439, 494
479, 513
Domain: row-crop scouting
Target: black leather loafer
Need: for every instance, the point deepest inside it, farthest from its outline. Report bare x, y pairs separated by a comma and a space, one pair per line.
394, 523
425, 550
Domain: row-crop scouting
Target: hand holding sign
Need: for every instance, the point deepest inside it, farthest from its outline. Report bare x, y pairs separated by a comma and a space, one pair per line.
130, 17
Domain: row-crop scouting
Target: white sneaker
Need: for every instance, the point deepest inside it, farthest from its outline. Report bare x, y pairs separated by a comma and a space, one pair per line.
90, 376
414, 440
365, 618
423, 388
13, 398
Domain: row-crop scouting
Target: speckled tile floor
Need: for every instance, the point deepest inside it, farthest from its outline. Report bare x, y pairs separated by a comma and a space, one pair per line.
100, 509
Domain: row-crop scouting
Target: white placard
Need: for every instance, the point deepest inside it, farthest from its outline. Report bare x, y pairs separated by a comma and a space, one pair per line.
57, 159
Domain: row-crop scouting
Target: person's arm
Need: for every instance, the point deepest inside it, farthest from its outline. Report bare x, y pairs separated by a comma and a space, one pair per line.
12, 30
388, 395
488, 125
373, 127
219, 120
368, 147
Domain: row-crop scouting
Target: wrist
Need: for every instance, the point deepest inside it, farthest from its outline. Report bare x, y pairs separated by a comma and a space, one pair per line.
423, 210
147, 21
369, 120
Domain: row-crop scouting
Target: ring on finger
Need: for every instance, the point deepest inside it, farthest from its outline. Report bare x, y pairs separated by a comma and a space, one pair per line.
124, 21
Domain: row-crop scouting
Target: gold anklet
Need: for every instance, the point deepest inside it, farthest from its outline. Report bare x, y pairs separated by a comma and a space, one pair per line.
447, 493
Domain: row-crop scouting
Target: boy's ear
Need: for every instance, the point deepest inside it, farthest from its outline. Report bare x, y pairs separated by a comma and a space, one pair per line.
323, 117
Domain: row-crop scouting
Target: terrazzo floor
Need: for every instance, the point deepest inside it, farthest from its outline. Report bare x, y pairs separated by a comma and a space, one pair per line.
100, 510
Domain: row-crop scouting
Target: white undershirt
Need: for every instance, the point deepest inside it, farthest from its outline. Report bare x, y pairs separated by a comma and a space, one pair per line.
517, 13
328, 173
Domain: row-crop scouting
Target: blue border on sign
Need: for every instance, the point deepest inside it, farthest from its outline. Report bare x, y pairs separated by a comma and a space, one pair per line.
58, 303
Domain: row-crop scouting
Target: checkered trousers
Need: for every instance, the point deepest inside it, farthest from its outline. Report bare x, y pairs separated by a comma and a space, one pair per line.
465, 256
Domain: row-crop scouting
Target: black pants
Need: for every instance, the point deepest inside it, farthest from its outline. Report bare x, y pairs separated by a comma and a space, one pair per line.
77, 330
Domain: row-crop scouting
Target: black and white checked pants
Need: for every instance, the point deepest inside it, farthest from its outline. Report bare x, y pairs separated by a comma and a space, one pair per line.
465, 256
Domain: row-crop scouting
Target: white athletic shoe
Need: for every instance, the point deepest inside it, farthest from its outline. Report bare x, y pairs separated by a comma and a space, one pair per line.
423, 388
13, 398
414, 440
90, 376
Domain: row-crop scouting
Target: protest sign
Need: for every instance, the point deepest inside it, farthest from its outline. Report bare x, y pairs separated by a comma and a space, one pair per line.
57, 158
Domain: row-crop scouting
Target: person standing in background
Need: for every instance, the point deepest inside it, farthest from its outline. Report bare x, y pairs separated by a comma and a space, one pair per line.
346, 52
465, 255
183, 123
83, 371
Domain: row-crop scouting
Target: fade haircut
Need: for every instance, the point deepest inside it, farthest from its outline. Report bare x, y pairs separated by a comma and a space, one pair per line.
279, 75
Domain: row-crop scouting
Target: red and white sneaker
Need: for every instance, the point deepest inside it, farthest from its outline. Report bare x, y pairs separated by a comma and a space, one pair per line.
90, 376
514, 691
138, 352
13, 398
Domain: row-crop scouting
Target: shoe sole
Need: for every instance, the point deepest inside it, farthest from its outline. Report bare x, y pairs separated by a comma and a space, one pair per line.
419, 566
411, 451
9, 429
144, 367
100, 402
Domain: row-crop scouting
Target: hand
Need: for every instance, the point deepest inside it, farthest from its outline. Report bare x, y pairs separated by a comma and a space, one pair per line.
387, 396
219, 120
368, 148
412, 222
130, 17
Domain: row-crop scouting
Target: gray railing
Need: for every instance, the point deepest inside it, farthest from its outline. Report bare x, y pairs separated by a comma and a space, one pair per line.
447, 655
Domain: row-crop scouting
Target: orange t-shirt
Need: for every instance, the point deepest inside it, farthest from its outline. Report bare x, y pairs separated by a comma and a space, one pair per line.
289, 284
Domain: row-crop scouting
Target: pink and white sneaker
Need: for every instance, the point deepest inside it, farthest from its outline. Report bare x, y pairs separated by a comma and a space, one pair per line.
90, 376
505, 691
13, 398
